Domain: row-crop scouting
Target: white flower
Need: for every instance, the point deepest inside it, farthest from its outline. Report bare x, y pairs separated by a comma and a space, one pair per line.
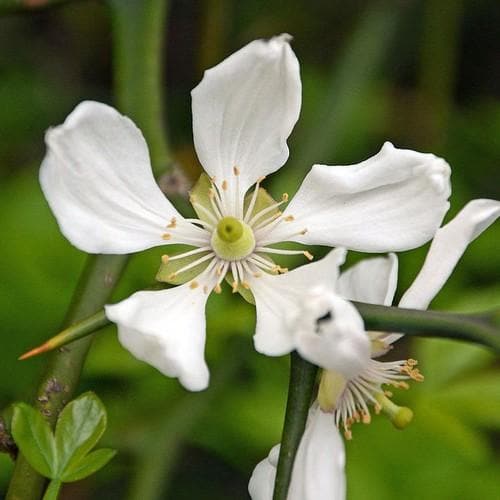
349, 395
97, 179
318, 469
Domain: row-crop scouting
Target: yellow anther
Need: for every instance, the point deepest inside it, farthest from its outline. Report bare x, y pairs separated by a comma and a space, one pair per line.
245, 285
217, 288
173, 223
193, 285
284, 197
166, 236
289, 218
366, 418
234, 285
348, 434
172, 276
257, 275
224, 185
236, 170
219, 271
304, 231
308, 255
164, 258
211, 193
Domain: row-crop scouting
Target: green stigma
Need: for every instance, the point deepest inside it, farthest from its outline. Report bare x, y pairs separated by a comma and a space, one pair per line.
233, 239
400, 416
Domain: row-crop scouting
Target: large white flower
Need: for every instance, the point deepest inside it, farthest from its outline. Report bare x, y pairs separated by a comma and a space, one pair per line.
97, 179
348, 395
318, 469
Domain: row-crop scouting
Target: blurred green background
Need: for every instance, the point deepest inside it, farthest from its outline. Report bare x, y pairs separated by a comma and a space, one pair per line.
422, 74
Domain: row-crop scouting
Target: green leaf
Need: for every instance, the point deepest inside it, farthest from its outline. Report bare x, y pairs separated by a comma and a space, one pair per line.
79, 427
88, 465
35, 440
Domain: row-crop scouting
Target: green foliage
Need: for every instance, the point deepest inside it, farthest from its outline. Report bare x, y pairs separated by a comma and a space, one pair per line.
63, 456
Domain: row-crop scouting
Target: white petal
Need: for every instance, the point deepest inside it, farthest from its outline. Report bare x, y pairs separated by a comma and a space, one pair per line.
167, 330
446, 249
261, 485
330, 333
278, 298
245, 108
393, 201
319, 468
97, 179
373, 281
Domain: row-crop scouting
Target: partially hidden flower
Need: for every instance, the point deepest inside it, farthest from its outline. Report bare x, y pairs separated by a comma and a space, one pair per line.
350, 394
98, 182
318, 470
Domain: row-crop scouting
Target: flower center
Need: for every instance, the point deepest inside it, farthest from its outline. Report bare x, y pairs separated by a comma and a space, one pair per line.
232, 239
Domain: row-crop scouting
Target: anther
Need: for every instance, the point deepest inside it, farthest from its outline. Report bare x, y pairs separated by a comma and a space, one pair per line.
289, 218
164, 258
245, 285
173, 223
308, 255
236, 170
166, 236
224, 185
172, 276
217, 288
193, 285
304, 231
235, 286
284, 197
348, 434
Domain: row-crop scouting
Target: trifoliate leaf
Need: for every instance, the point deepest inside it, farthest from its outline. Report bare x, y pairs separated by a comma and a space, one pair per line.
79, 427
34, 438
87, 465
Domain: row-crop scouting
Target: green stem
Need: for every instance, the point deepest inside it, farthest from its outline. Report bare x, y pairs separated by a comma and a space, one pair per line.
139, 30
61, 377
481, 328
302, 378
137, 96
52, 491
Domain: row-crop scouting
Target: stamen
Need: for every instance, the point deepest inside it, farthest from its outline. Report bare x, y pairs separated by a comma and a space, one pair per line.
289, 218
164, 258
193, 285
224, 185
202, 223
185, 254
166, 236
265, 222
201, 208
238, 207
173, 222
216, 207
308, 255
265, 211
253, 199
191, 265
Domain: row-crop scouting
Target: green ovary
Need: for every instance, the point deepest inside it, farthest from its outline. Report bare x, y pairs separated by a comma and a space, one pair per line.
233, 239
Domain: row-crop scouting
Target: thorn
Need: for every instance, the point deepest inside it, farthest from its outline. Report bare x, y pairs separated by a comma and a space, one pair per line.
35, 352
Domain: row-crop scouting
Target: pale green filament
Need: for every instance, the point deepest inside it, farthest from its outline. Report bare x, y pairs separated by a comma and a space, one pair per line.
233, 239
